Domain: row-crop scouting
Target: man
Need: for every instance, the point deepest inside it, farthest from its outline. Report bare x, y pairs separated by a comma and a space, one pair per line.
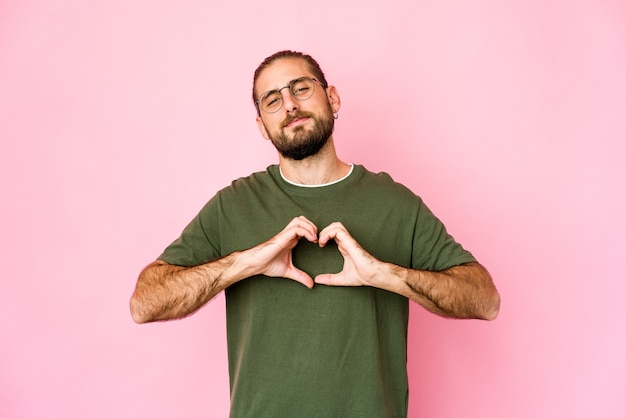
318, 259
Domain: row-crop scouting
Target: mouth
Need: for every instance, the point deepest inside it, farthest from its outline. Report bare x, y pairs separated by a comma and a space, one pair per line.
296, 122
296, 119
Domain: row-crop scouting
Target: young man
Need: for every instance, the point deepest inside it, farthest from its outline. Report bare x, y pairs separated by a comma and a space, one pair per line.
318, 259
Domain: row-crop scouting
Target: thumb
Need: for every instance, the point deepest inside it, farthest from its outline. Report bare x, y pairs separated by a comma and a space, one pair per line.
326, 278
300, 277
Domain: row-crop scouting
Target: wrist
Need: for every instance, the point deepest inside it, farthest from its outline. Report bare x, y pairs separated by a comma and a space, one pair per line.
390, 277
234, 269
405, 280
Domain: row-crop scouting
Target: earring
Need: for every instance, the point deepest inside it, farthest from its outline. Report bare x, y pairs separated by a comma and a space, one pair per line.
336, 115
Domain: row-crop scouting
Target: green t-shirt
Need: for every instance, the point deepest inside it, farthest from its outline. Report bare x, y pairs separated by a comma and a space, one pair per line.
327, 351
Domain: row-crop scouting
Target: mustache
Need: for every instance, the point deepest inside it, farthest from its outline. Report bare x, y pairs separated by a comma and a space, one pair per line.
298, 114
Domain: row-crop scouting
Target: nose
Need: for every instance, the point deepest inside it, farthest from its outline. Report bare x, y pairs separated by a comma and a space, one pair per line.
289, 102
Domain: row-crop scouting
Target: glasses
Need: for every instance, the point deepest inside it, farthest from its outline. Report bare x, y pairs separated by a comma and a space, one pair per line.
301, 89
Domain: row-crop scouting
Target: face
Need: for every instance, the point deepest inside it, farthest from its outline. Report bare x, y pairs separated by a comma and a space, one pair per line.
300, 129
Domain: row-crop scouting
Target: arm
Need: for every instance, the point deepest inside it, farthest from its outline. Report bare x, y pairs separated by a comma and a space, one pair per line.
166, 291
465, 291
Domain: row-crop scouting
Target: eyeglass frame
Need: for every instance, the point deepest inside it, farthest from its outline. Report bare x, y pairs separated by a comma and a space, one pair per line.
291, 83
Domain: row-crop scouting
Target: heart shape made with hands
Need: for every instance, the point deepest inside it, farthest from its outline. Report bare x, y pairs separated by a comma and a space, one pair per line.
357, 263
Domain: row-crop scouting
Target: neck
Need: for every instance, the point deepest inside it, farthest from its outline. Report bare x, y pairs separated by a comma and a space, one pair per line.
321, 168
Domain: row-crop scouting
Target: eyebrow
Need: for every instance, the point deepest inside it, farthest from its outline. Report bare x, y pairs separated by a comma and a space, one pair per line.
286, 85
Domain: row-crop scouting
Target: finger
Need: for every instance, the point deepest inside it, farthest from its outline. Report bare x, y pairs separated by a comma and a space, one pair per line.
335, 231
325, 279
291, 234
328, 233
302, 221
302, 227
300, 277
305, 219
332, 279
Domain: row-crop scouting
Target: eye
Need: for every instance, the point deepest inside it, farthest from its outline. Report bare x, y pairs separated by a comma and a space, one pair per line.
300, 90
301, 87
271, 99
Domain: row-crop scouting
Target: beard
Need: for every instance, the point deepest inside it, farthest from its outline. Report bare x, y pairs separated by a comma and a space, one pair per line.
304, 142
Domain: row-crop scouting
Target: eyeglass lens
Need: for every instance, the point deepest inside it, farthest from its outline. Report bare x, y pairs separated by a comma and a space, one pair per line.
301, 89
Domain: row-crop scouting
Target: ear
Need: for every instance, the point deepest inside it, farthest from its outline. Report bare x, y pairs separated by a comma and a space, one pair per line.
261, 126
333, 98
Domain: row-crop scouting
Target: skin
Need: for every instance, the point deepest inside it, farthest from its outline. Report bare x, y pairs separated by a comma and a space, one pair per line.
165, 292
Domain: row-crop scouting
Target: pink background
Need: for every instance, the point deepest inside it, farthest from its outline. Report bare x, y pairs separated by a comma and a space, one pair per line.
119, 119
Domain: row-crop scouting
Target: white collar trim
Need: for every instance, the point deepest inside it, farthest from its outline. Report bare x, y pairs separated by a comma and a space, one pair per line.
316, 185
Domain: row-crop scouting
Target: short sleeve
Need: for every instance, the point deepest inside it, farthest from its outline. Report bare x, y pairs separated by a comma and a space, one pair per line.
199, 241
433, 248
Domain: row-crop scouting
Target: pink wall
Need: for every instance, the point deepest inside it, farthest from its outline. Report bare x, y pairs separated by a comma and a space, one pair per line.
119, 119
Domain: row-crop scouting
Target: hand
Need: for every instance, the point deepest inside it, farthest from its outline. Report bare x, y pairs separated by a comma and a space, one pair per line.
359, 267
273, 258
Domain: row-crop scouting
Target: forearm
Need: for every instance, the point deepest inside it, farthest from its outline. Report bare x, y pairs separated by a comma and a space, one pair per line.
166, 291
465, 291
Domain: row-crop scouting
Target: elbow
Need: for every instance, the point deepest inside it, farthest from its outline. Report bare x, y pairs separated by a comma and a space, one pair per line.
490, 298
138, 318
137, 312
492, 307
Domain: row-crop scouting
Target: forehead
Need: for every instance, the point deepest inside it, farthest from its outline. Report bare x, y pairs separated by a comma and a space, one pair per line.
281, 72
